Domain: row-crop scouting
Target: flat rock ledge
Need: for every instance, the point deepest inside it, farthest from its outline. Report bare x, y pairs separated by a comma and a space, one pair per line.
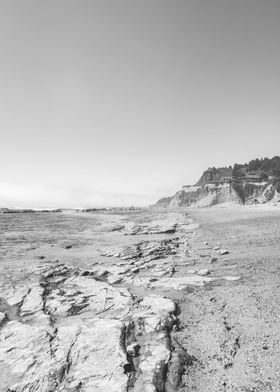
67, 332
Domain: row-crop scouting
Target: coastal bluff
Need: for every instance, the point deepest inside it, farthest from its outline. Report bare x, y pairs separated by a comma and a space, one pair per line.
256, 182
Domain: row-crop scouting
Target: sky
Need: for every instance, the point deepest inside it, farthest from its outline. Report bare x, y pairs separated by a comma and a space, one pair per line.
107, 102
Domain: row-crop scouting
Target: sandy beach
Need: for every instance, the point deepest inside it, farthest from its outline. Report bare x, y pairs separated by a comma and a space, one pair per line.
188, 297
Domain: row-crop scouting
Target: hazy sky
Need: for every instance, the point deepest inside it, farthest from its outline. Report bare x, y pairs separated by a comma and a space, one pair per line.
133, 97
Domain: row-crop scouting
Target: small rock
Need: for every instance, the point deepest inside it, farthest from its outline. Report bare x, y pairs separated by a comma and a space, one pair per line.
101, 273
133, 349
153, 279
205, 243
213, 259
117, 227
172, 270
203, 272
135, 270
216, 248
87, 273
2, 317
68, 246
223, 252
192, 271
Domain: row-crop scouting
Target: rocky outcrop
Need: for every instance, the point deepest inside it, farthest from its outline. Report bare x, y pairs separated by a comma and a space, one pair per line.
64, 328
109, 322
68, 332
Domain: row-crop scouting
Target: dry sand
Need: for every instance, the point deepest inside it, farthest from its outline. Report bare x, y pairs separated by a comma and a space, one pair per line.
233, 329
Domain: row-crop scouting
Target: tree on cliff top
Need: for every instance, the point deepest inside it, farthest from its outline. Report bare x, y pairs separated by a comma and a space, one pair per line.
237, 172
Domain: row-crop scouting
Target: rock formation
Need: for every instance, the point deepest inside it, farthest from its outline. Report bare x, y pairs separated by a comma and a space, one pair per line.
68, 328
69, 332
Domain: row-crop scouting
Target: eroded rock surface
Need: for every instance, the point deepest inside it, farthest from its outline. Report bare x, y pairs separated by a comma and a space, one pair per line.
70, 332
123, 310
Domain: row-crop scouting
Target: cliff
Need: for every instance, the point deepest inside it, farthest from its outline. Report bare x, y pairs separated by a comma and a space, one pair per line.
213, 174
237, 185
235, 193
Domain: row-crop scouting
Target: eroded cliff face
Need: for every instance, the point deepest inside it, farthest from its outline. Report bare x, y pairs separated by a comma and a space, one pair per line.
213, 174
236, 192
257, 181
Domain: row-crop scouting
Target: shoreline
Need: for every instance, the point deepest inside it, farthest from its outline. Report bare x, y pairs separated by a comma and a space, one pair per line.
180, 310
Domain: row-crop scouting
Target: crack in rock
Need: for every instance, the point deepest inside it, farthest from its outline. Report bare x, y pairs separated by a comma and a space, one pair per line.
51, 349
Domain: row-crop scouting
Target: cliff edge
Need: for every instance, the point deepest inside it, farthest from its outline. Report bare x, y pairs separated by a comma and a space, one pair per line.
252, 183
